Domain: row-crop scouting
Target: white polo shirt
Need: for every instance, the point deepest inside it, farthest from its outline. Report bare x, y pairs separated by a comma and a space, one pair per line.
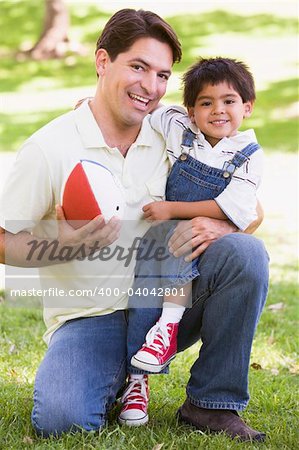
238, 200
35, 186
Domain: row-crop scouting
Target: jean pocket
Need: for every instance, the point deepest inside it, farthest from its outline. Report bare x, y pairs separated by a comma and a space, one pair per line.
199, 182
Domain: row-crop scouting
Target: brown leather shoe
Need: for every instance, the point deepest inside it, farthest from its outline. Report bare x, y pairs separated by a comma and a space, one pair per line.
217, 420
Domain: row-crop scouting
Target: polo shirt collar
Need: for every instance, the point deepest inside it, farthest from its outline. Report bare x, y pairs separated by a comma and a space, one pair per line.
146, 134
91, 134
88, 128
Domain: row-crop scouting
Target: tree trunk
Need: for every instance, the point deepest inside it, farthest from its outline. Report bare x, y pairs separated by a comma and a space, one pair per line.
54, 41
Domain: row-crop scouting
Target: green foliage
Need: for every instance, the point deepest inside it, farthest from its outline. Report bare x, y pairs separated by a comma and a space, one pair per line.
21, 22
192, 29
275, 124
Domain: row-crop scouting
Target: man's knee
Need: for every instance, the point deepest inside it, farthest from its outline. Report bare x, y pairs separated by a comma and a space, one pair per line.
243, 250
235, 259
54, 418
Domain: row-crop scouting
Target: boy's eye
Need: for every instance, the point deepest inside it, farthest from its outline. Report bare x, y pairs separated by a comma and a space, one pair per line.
229, 102
206, 104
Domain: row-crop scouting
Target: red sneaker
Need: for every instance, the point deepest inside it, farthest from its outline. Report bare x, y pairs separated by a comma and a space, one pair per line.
159, 349
135, 402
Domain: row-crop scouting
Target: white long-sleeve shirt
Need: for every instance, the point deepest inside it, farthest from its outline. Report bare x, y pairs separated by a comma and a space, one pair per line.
238, 200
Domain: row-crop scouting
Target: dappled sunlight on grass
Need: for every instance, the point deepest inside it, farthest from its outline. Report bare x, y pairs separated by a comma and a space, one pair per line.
256, 38
21, 75
20, 352
26, 124
274, 359
277, 131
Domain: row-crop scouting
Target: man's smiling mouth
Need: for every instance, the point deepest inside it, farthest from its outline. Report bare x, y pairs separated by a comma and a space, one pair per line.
139, 99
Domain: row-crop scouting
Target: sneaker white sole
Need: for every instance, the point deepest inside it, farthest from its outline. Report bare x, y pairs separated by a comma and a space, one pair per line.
154, 368
133, 422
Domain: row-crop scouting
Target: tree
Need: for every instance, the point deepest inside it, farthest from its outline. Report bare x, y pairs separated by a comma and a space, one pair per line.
54, 41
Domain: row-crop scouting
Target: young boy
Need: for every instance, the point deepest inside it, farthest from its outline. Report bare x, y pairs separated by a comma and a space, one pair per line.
215, 172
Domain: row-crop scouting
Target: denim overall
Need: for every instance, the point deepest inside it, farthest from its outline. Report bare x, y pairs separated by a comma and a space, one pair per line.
189, 180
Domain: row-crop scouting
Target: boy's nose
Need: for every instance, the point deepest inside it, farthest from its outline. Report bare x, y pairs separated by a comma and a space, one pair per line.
218, 109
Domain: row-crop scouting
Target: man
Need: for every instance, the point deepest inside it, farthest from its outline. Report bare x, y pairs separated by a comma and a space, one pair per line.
85, 365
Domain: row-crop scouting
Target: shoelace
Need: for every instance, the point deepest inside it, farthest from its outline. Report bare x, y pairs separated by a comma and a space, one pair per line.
136, 392
157, 338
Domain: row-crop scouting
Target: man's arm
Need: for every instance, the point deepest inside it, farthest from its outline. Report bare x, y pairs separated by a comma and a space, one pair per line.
17, 249
193, 237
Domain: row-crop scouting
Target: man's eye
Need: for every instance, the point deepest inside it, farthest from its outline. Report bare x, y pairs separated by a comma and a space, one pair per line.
164, 77
137, 67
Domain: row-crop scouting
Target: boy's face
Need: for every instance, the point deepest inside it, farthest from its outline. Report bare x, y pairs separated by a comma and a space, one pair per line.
219, 111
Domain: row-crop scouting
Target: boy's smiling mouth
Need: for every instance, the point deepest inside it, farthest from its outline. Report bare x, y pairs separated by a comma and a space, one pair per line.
219, 122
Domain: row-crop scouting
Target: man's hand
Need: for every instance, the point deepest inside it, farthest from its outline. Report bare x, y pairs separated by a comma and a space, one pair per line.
157, 211
94, 232
195, 235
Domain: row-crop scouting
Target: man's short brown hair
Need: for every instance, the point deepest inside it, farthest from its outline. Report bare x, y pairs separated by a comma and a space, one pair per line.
128, 25
214, 71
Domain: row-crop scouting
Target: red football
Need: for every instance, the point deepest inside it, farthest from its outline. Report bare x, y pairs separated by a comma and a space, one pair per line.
91, 189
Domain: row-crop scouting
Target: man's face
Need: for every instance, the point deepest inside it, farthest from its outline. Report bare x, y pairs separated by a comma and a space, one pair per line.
133, 84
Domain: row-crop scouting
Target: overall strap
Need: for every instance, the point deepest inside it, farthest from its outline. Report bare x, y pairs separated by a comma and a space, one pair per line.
187, 143
239, 159
243, 155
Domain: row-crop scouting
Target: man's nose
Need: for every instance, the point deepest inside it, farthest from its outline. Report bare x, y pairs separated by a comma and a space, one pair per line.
149, 83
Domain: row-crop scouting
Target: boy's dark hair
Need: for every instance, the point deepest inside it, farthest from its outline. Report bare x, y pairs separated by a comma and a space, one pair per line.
214, 71
128, 25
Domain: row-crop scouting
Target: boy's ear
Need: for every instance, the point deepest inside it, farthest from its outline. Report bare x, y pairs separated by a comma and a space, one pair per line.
248, 108
190, 110
102, 59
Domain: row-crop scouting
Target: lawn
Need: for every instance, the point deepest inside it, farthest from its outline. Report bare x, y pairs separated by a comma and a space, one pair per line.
273, 385
266, 42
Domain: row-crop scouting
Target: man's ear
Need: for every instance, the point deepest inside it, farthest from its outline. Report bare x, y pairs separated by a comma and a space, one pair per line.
102, 59
248, 108
190, 110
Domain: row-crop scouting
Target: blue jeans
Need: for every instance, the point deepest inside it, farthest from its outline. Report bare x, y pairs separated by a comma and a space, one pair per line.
85, 364
159, 270
227, 300
83, 369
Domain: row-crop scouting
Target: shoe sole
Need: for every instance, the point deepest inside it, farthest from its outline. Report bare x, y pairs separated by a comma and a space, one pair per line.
133, 422
154, 368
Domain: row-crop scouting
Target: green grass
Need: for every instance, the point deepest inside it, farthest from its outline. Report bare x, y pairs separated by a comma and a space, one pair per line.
15, 131
21, 21
274, 386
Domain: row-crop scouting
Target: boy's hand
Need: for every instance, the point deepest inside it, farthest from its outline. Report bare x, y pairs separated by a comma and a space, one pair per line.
157, 211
